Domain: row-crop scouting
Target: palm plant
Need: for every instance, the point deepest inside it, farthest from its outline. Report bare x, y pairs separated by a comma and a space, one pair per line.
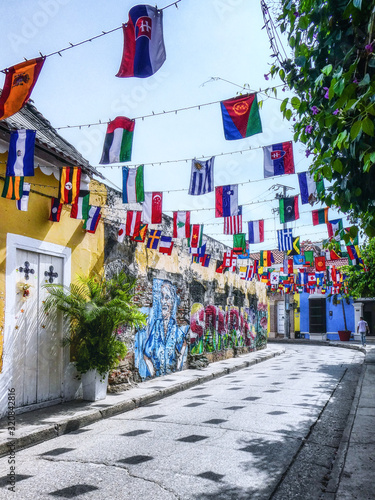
96, 307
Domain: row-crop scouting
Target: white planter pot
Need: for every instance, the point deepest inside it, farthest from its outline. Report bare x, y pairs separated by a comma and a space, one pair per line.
94, 387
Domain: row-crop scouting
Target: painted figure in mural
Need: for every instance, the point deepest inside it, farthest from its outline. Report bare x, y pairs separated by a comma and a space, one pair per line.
164, 349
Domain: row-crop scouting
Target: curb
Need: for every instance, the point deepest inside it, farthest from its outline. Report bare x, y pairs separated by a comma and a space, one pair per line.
75, 422
326, 343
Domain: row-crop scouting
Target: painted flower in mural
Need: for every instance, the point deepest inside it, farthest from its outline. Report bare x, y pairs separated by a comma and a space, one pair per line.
263, 322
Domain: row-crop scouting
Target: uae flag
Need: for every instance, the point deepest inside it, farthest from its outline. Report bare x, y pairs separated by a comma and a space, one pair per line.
241, 117
133, 222
181, 224
152, 208
132, 185
196, 235
320, 216
121, 233
233, 224
70, 182
118, 141
288, 209
19, 83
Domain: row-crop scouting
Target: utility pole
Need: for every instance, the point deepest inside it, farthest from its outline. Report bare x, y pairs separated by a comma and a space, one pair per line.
286, 295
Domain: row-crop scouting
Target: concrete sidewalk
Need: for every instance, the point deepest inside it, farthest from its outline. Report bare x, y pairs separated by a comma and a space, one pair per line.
50, 422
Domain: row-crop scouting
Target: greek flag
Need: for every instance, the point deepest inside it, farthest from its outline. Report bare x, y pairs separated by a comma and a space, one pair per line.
285, 239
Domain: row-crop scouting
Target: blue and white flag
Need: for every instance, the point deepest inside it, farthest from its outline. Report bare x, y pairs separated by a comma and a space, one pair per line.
202, 177
22, 204
21, 154
285, 239
200, 251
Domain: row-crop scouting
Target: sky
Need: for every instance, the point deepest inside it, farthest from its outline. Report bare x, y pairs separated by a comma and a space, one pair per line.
214, 48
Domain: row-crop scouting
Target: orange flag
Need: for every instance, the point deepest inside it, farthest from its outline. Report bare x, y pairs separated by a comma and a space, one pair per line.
19, 83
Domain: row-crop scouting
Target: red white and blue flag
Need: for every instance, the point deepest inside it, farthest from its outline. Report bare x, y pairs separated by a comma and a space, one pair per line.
278, 159
92, 222
22, 203
20, 161
256, 231
144, 51
233, 225
166, 245
226, 200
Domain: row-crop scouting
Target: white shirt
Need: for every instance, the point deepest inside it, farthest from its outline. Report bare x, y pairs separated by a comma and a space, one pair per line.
362, 326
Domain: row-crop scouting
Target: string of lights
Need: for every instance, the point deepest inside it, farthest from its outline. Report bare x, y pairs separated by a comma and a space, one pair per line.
73, 45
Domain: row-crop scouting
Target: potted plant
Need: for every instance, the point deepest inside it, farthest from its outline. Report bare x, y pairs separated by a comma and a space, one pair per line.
96, 307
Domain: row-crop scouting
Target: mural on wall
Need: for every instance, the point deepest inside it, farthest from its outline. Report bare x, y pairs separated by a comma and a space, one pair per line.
161, 346
261, 338
212, 329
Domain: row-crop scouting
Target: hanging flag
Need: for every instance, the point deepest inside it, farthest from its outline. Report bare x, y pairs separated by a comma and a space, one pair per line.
266, 258
152, 208
144, 51
133, 222
253, 270
80, 209
309, 257
202, 177
296, 250
285, 239
19, 83
56, 208
239, 244
196, 235
70, 181
20, 161
243, 271
13, 188
153, 239
246, 255
241, 117
319, 278
354, 241
334, 228
226, 198
118, 141
205, 260
91, 223
320, 263
229, 258
288, 265
23, 202
132, 185
220, 268
299, 260
256, 231
233, 224
311, 279
140, 233
121, 233
288, 209
309, 188
303, 277
278, 159
181, 224
353, 252
195, 259
200, 251
320, 216
274, 278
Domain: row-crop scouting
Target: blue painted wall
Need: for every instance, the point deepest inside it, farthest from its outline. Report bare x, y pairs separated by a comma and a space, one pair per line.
334, 322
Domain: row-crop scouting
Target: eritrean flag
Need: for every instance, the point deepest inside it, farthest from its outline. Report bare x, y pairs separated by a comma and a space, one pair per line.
241, 117
19, 83
118, 141
70, 182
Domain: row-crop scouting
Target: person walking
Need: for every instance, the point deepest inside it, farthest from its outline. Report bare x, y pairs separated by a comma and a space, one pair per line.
363, 328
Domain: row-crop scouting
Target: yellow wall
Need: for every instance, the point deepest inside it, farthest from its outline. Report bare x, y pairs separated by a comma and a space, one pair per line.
87, 249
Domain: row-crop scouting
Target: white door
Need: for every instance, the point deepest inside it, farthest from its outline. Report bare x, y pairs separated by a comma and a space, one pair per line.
37, 353
280, 316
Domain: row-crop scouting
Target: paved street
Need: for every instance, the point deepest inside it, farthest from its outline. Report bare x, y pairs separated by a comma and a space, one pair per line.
268, 431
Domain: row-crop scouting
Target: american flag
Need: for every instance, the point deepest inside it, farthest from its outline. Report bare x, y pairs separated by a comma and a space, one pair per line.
233, 224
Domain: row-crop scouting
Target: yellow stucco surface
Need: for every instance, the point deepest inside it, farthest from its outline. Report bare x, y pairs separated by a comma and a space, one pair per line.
87, 249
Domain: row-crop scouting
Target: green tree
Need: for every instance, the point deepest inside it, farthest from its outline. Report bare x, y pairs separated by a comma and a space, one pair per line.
332, 73
362, 283
96, 307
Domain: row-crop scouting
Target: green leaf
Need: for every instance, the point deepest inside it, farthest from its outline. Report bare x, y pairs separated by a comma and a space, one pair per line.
295, 102
339, 86
350, 104
283, 104
365, 81
282, 74
357, 4
327, 173
327, 69
300, 61
337, 166
292, 41
368, 126
304, 22
288, 114
355, 130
